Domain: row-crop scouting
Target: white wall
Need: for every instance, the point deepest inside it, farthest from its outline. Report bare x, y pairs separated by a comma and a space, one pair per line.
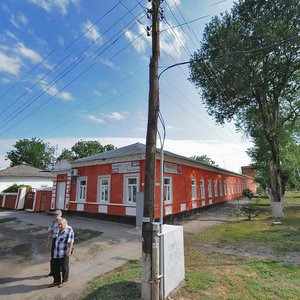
36, 183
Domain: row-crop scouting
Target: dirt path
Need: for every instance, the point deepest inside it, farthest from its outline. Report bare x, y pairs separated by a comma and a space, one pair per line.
23, 278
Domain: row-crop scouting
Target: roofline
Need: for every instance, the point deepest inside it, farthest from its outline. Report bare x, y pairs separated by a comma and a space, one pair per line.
170, 156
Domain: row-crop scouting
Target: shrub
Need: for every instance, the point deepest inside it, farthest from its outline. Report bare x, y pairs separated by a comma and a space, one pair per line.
15, 187
248, 193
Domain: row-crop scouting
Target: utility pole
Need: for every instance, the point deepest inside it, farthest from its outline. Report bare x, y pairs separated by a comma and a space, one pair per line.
148, 282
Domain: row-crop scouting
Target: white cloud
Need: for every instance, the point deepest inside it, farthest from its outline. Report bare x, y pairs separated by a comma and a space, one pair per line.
19, 20
91, 32
5, 80
28, 53
11, 35
94, 119
109, 63
97, 93
172, 41
117, 116
9, 65
60, 40
173, 3
51, 89
66, 96
232, 156
138, 43
55, 5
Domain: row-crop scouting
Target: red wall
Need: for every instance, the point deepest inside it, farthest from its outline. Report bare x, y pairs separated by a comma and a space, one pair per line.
181, 185
43, 201
10, 201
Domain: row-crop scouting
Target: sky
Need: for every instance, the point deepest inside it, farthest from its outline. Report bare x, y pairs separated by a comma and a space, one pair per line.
75, 70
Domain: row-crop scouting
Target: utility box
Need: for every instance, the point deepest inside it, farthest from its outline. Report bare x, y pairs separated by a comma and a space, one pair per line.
173, 256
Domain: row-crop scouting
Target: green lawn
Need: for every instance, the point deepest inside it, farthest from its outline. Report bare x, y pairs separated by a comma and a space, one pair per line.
215, 275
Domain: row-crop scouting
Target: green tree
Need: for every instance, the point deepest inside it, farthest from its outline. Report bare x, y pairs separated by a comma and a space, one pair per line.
66, 154
34, 152
204, 159
248, 71
84, 149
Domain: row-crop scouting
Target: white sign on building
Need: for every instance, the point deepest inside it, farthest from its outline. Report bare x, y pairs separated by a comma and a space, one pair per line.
127, 167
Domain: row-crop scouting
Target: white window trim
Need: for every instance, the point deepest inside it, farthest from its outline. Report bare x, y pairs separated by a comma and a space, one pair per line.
125, 181
216, 187
99, 185
221, 188
78, 187
169, 201
194, 188
209, 186
202, 188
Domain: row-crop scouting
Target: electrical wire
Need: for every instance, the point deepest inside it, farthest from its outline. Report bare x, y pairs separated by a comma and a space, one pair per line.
53, 51
64, 73
42, 104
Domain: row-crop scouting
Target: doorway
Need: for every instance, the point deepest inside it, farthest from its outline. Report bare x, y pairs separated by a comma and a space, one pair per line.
60, 196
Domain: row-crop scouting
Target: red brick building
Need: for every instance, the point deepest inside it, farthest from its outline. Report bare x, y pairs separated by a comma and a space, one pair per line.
109, 183
248, 171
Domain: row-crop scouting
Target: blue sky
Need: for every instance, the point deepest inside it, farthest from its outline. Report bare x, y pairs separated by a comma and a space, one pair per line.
78, 69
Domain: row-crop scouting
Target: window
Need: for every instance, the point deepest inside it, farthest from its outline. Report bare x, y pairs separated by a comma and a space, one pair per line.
216, 188
81, 189
168, 189
131, 188
225, 188
103, 188
220, 186
209, 188
194, 189
202, 188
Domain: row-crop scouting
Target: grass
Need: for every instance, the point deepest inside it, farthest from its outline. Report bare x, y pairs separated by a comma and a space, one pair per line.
219, 276
122, 283
283, 238
215, 275
9, 219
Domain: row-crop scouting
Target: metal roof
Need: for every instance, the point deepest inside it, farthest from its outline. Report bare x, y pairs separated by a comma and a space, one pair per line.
129, 150
140, 149
25, 171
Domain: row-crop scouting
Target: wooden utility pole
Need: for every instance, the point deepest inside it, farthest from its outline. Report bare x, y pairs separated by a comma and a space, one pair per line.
149, 192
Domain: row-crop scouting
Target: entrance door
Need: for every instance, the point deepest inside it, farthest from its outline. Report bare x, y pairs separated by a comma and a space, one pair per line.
60, 197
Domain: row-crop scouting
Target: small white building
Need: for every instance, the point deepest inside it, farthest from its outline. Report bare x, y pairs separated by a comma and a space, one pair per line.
24, 174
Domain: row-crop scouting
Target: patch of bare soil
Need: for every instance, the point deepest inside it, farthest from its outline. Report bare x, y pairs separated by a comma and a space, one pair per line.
252, 251
222, 214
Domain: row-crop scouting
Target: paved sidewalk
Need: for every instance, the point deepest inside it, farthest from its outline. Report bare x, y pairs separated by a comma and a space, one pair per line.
118, 244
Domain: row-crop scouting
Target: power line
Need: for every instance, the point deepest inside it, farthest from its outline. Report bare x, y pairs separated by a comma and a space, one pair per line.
122, 49
50, 54
84, 102
97, 106
70, 68
28, 73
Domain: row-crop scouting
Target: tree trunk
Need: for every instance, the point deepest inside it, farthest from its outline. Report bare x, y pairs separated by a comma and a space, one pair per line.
276, 191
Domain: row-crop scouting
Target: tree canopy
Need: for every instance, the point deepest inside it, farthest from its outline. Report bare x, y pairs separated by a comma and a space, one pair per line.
34, 152
84, 149
204, 159
248, 70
